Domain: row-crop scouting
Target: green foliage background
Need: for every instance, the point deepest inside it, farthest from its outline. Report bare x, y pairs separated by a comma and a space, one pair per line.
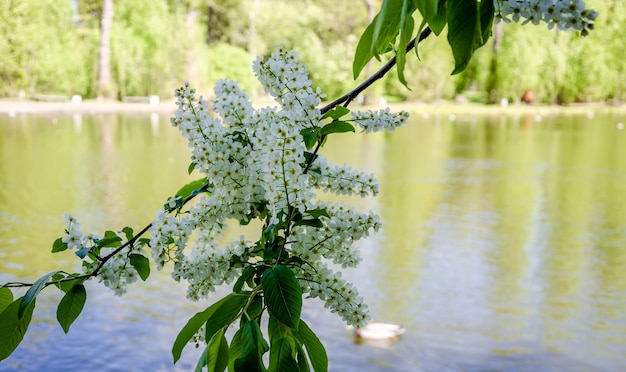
50, 47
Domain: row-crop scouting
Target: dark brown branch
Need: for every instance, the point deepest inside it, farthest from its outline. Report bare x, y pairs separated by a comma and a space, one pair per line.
348, 97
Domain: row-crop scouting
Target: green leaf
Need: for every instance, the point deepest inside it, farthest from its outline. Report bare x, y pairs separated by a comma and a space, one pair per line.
336, 112
303, 363
386, 24
314, 222
462, 25
202, 360
128, 231
318, 212
192, 188
58, 245
276, 329
283, 355
438, 19
141, 264
363, 53
487, 11
196, 321
336, 127
309, 136
225, 313
6, 297
14, 327
245, 275
191, 167
314, 347
283, 295
110, 239
217, 353
406, 32
67, 284
236, 348
254, 346
71, 305
32, 293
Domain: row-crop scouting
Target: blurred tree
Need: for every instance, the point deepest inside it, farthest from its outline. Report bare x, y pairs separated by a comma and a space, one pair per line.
104, 50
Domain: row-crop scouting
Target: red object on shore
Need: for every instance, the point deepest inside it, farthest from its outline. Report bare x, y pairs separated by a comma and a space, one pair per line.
527, 98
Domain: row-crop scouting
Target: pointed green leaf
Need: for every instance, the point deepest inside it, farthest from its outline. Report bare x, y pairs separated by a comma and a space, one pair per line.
192, 188
336, 127
141, 264
6, 297
283, 355
225, 313
303, 362
202, 360
254, 346
191, 167
217, 353
283, 295
196, 321
70, 306
363, 53
462, 25
32, 293
313, 222
236, 348
58, 245
318, 212
387, 24
128, 231
406, 32
336, 112
487, 11
13, 327
314, 347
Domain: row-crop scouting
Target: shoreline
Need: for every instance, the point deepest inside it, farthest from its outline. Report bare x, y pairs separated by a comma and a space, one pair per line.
91, 107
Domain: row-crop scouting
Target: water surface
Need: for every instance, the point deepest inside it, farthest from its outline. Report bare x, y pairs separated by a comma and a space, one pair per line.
503, 247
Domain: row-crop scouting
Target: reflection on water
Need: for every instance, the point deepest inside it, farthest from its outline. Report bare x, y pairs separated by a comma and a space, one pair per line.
503, 248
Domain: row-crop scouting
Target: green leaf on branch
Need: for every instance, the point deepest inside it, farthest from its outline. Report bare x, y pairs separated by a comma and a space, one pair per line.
283, 295
318, 212
191, 167
225, 305
216, 357
67, 283
192, 188
6, 297
128, 232
336, 127
59, 245
314, 347
243, 278
141, 264
13, 327
387, 24
32, 293
314, 222
71, 306
309, 136
110, 239
363, 52
283, 355
225, 313
463, 23
487, 11
254, 346
406, 32
336, 112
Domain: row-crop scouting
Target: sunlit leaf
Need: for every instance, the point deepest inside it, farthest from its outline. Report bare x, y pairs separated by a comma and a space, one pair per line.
141, 264
225, 313
196, 321
314, 347
283, 295
14, 327
71, 306
192, 188
6, 297
336, 127
462, 25
32, 293
58, 245
283, 355
336, 112
217, 353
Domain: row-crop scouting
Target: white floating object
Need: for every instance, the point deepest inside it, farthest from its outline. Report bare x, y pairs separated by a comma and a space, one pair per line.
154, 100
620, 126
379, 331
76, 99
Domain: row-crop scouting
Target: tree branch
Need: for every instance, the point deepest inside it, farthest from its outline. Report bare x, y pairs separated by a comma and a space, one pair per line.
348, 97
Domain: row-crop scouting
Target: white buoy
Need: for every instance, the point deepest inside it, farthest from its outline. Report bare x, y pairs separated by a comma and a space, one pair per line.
620, 126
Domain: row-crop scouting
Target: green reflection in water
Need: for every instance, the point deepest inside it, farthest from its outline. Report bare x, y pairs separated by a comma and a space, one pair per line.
502, 234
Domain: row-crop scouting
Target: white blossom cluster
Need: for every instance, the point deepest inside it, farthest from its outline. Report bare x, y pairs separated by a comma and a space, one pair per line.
255, 167
562, 14
117, 272
371, 121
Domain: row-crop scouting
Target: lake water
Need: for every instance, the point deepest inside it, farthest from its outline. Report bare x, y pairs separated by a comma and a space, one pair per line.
503, 247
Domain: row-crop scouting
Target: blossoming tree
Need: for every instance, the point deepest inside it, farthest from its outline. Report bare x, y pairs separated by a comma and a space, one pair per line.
265, 165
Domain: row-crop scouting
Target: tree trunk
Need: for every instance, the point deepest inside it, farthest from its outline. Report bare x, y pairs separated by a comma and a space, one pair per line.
104, 51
